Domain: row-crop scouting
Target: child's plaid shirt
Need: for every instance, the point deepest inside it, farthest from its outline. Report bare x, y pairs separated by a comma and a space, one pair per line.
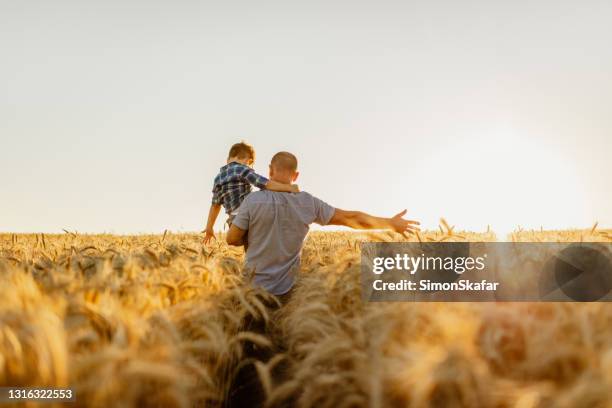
233, 183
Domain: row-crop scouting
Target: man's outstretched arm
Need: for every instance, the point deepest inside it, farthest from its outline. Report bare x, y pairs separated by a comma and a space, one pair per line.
361, 220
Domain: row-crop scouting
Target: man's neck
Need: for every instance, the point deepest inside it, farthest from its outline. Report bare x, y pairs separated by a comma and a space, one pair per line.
281, 180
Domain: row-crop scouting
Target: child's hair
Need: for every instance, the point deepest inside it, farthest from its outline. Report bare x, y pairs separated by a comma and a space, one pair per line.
242, 150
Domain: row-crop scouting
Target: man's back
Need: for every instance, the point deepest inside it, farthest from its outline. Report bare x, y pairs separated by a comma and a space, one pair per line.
277, 224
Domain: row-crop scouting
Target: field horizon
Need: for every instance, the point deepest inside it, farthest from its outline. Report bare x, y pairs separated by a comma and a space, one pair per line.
577, 231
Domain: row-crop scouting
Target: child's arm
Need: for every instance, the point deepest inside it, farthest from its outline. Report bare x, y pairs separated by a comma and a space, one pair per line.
213, 213
283, 188
263, 183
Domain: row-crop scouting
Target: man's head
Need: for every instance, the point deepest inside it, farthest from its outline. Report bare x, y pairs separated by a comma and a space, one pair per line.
283, 167
242, 153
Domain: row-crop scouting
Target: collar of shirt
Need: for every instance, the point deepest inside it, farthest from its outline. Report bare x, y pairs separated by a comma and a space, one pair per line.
233, 163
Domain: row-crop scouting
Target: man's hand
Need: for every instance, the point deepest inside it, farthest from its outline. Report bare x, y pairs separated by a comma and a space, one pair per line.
399, 224
295, 188
208, 236
235, 236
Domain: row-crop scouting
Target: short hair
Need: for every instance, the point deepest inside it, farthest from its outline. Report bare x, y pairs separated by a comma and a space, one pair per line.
242, 150
284, 161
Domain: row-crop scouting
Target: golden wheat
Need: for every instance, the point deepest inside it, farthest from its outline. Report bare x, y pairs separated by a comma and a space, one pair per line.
162, 321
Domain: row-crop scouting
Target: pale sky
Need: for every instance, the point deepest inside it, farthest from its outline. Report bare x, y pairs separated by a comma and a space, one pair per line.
116, 115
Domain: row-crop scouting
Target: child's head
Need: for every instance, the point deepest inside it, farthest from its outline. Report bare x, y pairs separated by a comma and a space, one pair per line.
242, 153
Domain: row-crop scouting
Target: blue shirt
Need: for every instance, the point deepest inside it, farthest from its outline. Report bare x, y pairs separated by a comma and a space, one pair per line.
277, 224
233, 184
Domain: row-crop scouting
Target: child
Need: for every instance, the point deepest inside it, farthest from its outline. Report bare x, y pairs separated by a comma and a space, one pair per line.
233, 183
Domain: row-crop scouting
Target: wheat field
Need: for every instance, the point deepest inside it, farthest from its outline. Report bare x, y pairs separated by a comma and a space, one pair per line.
160, 320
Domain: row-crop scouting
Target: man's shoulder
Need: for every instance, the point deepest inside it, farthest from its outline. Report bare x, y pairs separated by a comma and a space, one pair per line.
266, 195
257, 195
262, 196
306, 196
254, 197
306, 200
302, 195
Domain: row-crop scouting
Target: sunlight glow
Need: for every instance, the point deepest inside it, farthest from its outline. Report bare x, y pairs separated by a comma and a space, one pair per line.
506, 181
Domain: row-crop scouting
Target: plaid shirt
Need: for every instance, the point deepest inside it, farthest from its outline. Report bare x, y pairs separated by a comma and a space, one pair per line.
233, 183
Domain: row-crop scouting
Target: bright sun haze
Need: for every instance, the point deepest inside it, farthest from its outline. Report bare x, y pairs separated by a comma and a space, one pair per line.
115, 116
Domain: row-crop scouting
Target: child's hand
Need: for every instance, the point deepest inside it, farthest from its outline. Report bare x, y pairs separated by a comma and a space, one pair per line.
208, 236
295, 188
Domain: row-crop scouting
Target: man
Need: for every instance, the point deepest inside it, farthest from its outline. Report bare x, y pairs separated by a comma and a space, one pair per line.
277, 224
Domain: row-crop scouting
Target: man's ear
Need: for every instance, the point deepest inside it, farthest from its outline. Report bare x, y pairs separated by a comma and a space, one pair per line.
295, 176
270, 171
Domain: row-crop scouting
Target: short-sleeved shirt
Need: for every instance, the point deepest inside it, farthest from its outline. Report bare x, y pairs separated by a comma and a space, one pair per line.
277, 225
233, 184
